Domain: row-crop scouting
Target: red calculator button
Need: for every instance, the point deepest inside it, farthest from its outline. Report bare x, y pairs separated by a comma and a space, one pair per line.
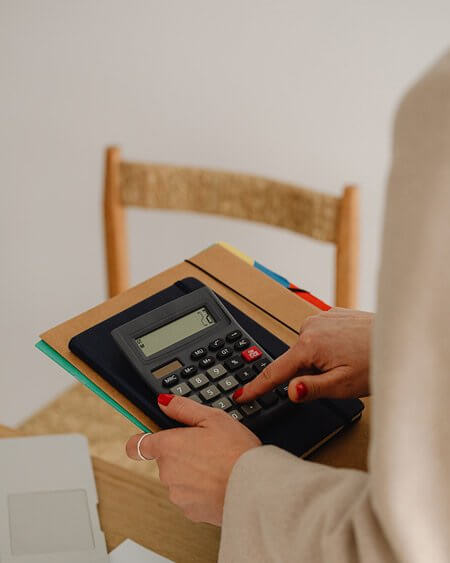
251, 354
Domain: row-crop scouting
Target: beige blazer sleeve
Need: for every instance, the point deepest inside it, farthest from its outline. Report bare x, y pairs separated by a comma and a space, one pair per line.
280, 508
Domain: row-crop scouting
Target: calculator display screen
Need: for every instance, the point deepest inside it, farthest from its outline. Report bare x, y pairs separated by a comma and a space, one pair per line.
170, 334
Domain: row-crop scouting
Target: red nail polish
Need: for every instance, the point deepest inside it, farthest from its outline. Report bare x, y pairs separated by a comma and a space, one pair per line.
302, 390
238, 393
164, 399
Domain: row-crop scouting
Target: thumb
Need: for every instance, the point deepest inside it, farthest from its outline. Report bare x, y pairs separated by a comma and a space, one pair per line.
183, 410
329, 385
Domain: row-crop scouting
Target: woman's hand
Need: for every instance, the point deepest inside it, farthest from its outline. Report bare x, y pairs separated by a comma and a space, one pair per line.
330, 359
195, 463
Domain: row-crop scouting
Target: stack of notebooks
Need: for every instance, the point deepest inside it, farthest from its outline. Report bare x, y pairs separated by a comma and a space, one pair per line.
87, 351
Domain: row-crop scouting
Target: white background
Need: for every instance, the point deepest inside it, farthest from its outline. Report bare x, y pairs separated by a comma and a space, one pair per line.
295, 90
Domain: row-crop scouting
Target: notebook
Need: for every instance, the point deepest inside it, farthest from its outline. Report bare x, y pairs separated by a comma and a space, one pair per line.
318, 420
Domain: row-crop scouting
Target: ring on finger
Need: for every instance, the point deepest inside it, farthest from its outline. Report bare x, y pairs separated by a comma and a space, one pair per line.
138, 447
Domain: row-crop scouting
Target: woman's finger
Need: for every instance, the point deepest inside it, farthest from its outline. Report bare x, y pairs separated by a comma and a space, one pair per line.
279, 371
330, 385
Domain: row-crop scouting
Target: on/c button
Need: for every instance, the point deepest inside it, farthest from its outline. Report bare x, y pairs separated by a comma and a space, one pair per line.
251, 354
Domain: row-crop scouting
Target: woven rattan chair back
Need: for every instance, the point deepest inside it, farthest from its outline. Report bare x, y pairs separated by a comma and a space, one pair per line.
320, 216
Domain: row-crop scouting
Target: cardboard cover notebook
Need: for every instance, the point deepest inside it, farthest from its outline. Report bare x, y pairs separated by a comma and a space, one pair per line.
85, 348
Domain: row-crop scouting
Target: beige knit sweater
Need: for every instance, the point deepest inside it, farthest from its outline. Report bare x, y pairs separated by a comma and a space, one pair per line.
280, 508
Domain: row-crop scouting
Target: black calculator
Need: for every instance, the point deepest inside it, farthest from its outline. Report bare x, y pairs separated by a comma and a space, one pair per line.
193, 347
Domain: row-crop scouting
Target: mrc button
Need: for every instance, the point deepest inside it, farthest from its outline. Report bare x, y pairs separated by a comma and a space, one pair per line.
251, 354
170, 380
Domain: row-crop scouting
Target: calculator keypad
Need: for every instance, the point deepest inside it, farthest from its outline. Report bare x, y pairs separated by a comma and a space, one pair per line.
251, 354
250, 408
199, 353
170, 380
242, 344
181, 389
210, 393
188, 371
216, 372
234, 363
223, 404
233, 336
228, 383
198, 381
282, 390
195, 398
217, 369
207, 362
260, 365
268, 399
216, 344
225, 353
245, 375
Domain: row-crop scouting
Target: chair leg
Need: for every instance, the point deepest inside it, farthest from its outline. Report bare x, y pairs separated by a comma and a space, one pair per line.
115, 228
347, 250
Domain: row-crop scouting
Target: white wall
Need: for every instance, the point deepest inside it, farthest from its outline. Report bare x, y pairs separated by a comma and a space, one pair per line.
301, 91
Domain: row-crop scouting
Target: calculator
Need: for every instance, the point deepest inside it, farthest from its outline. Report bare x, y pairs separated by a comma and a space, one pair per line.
193, 347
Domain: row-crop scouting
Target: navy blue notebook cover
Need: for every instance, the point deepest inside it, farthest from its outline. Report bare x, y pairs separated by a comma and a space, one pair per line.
300, 430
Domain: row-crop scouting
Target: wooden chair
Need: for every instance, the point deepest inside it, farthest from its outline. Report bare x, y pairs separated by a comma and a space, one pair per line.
317, 215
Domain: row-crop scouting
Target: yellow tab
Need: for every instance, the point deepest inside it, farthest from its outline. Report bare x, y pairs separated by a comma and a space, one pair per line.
237, 252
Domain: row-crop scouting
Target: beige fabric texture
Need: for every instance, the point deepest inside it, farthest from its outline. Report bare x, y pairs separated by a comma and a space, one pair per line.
279, 508
240, 196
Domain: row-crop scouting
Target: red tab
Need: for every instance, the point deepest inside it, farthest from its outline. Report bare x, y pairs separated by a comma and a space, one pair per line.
309, 297
251, 354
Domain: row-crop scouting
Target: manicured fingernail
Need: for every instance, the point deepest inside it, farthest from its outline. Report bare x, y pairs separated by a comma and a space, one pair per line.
238, 393
302, 390
164, 399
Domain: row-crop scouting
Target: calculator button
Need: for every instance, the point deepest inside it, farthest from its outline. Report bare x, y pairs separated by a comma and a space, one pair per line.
245, 375
261, 364
198, 381
242, 344
216, 344
236, 414
282, 390
233, 336
224, 353
170, 380
223, 404
199, 353
251, 354
228, 383
216, 371
268, 399
181, 389
207, 362
188, 371
210, 393
234, 363
196, 398
250, 408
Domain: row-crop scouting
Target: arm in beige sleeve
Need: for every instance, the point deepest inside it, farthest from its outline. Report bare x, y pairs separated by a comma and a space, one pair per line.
280, 508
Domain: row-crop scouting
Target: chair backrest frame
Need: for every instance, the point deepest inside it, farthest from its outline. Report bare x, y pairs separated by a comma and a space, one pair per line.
320, 216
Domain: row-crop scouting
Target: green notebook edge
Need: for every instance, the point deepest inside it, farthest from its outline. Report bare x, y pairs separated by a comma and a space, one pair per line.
74, 372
